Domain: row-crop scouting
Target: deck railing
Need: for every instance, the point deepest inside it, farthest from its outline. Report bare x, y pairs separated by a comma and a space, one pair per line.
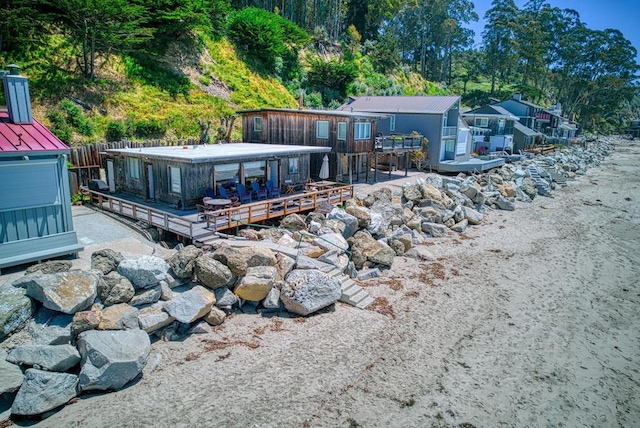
449, 131
222, 219
152, 216
273, 208
395, 142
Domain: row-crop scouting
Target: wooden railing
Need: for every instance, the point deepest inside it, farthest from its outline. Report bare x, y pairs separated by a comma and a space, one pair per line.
152, 216
273, 208
224, 218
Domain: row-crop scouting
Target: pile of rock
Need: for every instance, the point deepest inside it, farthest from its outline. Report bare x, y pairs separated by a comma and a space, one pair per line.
91, 328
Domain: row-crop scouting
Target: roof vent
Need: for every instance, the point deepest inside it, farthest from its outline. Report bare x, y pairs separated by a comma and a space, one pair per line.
16, 94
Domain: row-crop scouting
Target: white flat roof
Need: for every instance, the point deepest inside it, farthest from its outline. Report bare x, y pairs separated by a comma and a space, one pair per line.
219, 152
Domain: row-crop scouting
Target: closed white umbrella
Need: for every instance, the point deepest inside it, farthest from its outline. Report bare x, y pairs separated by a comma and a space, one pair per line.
324, 170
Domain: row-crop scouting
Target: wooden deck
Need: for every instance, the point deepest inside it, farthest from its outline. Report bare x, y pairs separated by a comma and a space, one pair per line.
197, 227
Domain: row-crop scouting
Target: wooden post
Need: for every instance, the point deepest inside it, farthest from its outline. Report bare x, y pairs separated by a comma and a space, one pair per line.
350, 170
406, 164
366, 175
375, 168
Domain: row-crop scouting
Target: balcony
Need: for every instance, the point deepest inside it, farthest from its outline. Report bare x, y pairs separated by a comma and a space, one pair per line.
398, 142
449, 131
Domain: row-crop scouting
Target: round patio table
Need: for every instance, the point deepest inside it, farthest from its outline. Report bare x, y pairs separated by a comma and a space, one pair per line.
216, 204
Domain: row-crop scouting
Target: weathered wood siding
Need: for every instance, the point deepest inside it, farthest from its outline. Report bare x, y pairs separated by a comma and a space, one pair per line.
195, 179
294, 128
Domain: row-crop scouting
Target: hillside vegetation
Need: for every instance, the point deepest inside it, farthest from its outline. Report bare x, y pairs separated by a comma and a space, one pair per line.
109, 69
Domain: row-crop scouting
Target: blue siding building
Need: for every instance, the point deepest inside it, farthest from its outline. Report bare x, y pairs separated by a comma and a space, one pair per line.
35, 204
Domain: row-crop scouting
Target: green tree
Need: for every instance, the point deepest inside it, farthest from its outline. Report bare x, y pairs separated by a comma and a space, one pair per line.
100, 27
498, 39
330, 77
265, 36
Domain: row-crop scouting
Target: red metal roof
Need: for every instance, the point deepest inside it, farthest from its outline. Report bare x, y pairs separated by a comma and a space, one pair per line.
31, 137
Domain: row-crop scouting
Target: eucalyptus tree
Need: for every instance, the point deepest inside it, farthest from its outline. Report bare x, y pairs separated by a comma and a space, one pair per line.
498, 42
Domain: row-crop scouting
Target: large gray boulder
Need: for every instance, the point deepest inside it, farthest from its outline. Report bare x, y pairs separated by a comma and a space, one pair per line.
350, 222
51, 266
111, 359
378, 224
211, 273
293, 222
10, 375
503, 203
43, 391
435, 230
191, 305
51, 328
106, 260
331, 242
119, 317
144, 272
412, 192
15, 308
184, 261
472, 216
307, 291
66, 292
146, 296
115, 288
154, 318
361, 213
257, 283
55, 358
238, 260
366, 249
225, 297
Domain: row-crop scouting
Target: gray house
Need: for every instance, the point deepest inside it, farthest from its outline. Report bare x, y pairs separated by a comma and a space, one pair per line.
181, 175
492, 128
434, 117
35, 204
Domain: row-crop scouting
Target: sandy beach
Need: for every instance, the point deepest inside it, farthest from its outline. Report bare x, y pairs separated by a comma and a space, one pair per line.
530, 319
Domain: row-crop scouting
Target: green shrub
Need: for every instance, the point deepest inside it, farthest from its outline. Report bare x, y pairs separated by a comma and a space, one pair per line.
116, 130
149, 128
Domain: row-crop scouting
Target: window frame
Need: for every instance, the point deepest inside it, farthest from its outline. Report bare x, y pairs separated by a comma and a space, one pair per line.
294, 165
392, 123
133, 168
484, 122
342, 131
362, 130
257, 123
318, 124
172, 183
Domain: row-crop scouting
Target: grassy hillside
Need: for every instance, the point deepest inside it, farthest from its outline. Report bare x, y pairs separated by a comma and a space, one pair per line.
165, 96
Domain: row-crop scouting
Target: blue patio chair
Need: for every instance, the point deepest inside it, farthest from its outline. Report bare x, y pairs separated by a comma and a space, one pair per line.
210, 193
260, 193
272, 189
242, 192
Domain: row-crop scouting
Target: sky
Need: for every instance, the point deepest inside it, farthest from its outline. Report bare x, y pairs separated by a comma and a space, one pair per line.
623, 15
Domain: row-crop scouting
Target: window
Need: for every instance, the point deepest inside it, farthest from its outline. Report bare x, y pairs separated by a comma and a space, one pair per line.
362, 131
257, 124
392, 123
255, 171
175, 183
37, 182
342, 130
294, 165
133, 167
322, 129
482, 122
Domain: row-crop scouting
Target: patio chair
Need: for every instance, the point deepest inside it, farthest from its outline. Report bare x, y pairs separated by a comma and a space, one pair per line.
260, 193
272, 189
243, 194
210, 193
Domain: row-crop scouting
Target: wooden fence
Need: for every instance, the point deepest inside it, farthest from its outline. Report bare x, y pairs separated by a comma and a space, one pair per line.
89, 155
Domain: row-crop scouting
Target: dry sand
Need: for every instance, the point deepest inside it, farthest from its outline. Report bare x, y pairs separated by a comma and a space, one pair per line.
529, 320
